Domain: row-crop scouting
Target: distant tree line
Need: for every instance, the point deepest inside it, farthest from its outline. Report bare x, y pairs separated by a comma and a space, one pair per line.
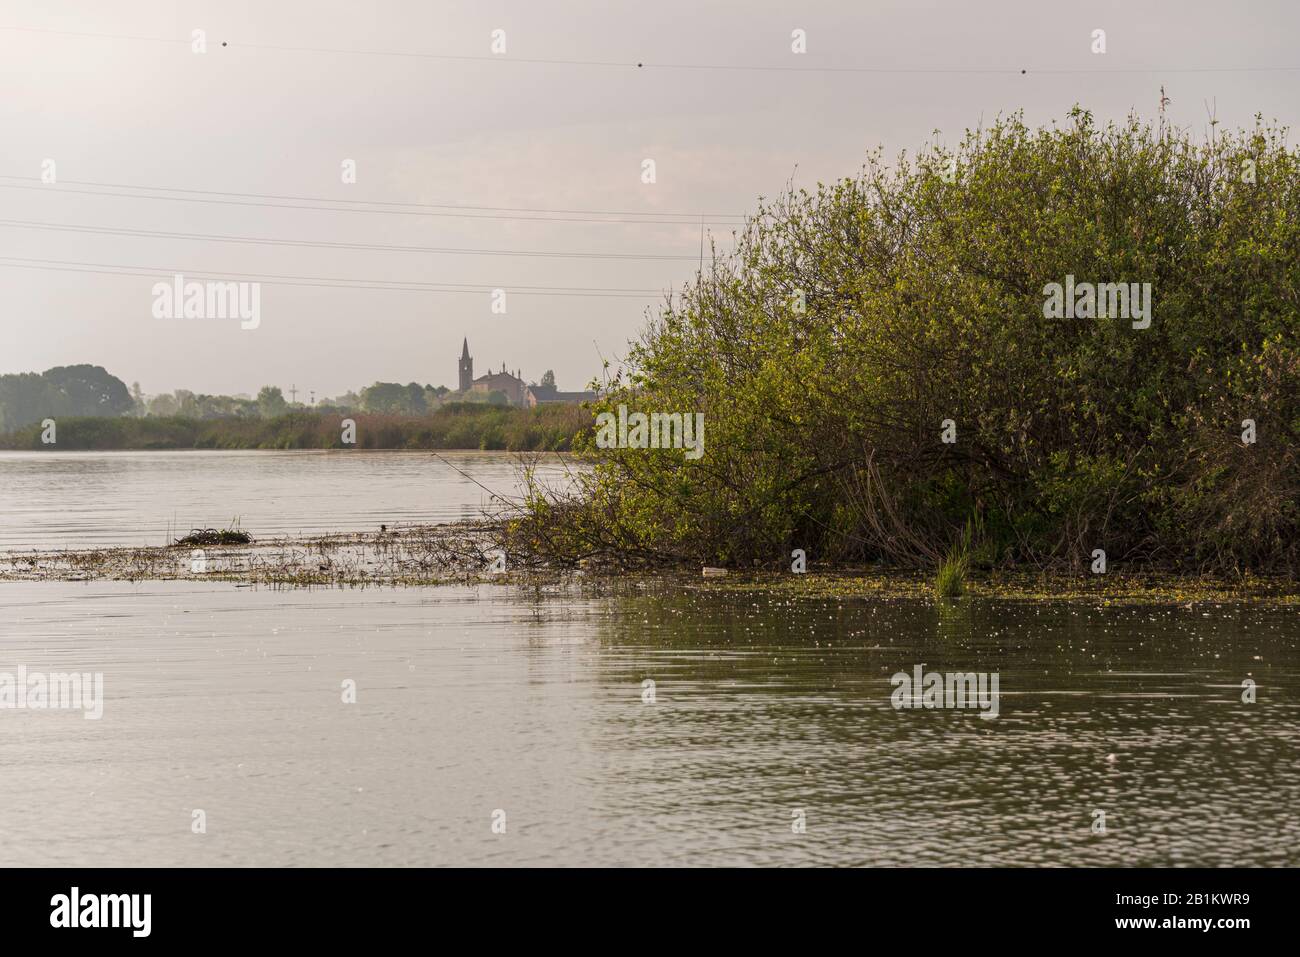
91, 391
455, 425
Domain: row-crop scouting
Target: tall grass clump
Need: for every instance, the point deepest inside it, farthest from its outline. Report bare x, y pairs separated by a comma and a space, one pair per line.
950, 580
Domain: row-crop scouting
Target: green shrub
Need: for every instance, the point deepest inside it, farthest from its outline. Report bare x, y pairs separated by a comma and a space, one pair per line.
851, 321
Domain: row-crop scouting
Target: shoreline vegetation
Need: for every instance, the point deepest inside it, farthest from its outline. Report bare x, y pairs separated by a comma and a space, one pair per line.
889, 383
462, 553
889, 378
469, 425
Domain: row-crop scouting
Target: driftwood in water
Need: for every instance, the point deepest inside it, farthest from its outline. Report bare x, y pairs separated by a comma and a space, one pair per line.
211, 536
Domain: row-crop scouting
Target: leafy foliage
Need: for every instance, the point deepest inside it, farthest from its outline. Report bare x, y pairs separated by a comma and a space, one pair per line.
84, 390
852, 320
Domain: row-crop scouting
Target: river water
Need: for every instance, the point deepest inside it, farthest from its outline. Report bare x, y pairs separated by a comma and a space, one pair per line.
501, 724
87, 499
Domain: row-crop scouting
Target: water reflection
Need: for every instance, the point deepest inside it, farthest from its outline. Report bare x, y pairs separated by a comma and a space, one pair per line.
477, 699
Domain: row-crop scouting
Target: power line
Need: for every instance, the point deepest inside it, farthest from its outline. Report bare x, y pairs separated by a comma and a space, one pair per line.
338, 50
349, 209
653, 65
964, 71
692, 217
328, 282
450, 250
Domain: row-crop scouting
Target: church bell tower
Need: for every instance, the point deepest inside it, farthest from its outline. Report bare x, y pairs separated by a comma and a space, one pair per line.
466, 368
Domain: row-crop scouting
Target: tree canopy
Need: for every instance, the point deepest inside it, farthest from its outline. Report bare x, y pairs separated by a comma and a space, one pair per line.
861, 324
78, 390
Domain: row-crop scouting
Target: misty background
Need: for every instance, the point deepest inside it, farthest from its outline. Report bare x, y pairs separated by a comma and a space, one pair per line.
412, 93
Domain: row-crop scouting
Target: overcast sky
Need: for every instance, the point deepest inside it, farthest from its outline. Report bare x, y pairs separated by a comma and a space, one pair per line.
277, 111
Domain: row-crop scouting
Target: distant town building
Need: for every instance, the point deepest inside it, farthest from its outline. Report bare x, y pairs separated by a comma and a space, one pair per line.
512, 386
545, 394
504, 382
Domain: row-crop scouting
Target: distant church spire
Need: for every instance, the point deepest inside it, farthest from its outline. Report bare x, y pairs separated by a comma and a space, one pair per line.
466, 368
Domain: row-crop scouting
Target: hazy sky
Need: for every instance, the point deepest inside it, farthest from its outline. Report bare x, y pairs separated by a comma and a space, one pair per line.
258, 118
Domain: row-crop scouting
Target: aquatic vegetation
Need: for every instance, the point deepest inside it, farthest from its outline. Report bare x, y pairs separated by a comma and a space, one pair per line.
460, 554
950, 580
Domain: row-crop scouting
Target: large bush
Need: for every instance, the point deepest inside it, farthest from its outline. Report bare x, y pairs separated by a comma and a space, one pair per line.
853, 320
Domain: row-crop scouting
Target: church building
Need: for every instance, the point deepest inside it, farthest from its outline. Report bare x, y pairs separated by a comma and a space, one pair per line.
512, 386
